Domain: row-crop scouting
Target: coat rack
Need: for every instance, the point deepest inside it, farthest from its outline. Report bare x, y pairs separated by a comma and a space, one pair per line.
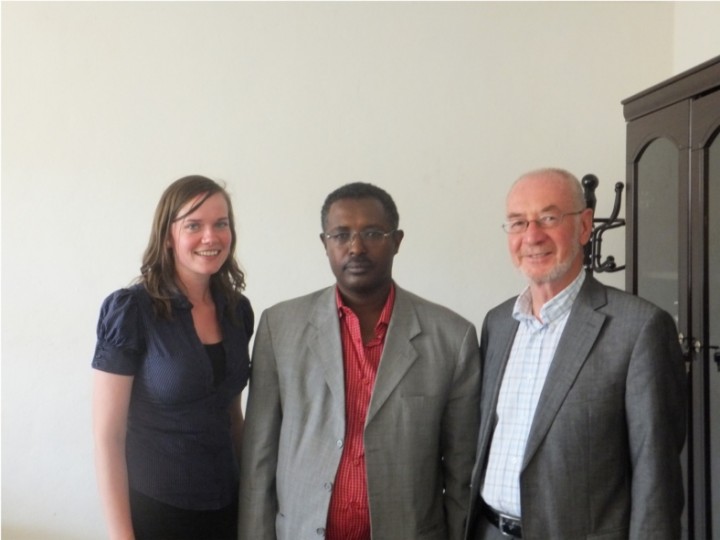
593, 260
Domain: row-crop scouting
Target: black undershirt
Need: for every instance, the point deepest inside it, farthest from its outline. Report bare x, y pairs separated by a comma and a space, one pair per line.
216, 352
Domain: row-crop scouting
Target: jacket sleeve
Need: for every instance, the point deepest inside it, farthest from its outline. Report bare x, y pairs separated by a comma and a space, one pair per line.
459, 434
258, 495
655, 410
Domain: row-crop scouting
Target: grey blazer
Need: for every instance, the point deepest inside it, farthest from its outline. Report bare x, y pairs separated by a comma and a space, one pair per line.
420, 433
602, 458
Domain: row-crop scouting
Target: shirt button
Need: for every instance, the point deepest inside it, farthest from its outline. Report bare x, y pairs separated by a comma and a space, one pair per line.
339, 443
328, 486
320, 531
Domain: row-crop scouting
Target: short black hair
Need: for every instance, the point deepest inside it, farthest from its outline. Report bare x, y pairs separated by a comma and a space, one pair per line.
361, 190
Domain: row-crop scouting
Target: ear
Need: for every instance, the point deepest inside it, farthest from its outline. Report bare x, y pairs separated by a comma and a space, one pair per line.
586, 226
398, 237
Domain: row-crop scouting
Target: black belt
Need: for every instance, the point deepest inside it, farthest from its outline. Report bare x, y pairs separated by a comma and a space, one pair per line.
507, 525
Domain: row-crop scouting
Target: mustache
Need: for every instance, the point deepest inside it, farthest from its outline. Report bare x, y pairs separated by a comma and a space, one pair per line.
358, 259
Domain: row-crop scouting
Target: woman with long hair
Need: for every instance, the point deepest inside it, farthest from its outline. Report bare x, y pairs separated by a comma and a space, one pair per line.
170, 363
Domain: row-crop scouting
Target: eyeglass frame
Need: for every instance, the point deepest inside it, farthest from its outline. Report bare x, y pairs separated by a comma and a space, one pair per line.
361, 234
541, 222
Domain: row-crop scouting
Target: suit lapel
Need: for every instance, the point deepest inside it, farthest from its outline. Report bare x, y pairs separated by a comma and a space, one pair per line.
495, 370
494, 360
581, 331
398, 353
325, 344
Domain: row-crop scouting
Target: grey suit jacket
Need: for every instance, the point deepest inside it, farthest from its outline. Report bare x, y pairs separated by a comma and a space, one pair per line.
420, 433
602, 458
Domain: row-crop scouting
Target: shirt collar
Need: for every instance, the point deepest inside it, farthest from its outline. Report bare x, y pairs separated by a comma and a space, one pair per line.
385, 314
555, 308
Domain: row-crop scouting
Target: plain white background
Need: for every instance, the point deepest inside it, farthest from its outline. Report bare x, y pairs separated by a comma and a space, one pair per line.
442, 104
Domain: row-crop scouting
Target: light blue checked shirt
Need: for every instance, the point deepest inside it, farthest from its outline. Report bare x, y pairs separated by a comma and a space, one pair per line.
530, 358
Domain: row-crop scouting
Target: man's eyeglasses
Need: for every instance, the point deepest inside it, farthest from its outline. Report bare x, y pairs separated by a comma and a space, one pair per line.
547, 221
369, 237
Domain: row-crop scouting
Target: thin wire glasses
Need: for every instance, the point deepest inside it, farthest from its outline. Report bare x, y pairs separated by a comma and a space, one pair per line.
546, 221
369, 237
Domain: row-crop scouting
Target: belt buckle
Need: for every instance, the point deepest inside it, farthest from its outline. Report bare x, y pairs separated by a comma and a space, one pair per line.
507, 525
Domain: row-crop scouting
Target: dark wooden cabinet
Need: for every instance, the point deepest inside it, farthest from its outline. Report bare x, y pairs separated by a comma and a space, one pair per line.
673, 255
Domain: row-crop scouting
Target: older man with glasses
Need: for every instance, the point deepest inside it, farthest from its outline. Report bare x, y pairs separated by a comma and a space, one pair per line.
582, 411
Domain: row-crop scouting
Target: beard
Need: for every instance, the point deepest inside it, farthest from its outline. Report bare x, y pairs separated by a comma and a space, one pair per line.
560, 269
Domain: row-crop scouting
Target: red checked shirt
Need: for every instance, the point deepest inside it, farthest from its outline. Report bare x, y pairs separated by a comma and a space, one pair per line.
349, 513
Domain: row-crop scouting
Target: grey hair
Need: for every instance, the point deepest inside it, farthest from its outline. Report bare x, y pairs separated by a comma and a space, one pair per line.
570, 180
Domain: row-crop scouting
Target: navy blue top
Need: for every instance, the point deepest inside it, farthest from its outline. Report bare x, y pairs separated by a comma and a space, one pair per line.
179, 448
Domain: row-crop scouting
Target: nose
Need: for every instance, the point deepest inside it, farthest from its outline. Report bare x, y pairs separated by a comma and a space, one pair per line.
356, 247
534, 232
209, 235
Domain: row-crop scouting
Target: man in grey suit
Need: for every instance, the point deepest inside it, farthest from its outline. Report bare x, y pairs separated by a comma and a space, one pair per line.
583, 415
362, 414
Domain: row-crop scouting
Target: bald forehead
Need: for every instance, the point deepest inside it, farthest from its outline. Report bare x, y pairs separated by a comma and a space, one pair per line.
545, 177
549, 186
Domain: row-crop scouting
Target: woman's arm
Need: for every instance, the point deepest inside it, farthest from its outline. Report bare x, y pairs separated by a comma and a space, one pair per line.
111, 398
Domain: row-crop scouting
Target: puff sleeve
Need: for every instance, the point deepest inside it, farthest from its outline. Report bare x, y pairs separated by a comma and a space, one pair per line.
120, 338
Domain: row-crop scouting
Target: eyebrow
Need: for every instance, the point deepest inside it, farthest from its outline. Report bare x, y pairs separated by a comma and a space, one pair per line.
197, 220
365, 228
552, 207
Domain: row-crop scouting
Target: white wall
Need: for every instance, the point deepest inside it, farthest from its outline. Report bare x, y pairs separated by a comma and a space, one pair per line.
696, 38
104, 104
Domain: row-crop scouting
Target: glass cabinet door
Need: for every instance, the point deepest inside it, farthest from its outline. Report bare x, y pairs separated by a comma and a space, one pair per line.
711, 355
657, 186
656, 212
657, 251
705, 240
